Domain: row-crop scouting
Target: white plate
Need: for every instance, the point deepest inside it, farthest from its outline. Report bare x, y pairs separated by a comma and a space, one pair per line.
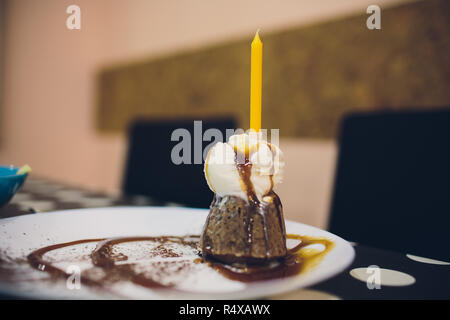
21, 235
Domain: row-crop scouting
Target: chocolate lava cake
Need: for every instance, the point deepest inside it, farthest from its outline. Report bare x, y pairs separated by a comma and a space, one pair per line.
239, 231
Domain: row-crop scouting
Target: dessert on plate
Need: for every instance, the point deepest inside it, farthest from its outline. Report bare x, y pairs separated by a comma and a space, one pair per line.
245, 222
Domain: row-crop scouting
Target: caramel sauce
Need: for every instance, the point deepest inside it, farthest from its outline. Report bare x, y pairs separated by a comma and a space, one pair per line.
299, 259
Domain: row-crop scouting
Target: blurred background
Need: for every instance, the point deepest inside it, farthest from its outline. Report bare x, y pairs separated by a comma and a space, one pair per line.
68, 96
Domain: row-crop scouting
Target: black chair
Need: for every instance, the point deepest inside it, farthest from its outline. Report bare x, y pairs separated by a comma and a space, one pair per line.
392, 184
149, 168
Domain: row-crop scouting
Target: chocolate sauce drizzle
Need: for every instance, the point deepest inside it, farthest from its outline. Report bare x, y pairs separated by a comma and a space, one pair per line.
104, 257
36, 260
244, 168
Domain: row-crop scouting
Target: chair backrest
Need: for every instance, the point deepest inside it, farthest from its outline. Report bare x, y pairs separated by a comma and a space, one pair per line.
150, 170
392, 184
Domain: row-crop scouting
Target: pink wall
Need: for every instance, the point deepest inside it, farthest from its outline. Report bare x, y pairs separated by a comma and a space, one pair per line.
48, 112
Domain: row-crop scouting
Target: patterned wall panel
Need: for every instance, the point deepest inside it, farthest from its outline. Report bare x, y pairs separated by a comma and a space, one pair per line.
311, 75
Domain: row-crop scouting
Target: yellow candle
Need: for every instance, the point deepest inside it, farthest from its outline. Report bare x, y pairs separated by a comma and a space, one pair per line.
256, 84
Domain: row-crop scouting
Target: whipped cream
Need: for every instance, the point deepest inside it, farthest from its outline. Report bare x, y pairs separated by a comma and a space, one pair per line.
221, 166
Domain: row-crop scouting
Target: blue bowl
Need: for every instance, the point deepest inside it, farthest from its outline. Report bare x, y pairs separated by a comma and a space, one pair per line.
10, 182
